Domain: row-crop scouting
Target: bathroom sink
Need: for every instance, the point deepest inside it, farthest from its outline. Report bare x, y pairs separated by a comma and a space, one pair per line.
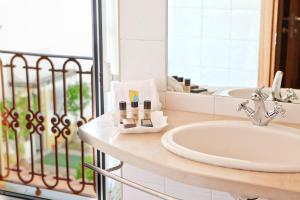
245, 93
237, 144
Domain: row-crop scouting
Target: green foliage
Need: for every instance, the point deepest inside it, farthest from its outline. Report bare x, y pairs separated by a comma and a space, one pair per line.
89, 174
73, 96
49, 159
21, 106
22, 110
5, 128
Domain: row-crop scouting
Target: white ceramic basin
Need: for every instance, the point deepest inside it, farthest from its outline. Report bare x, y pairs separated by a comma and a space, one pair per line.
237, 144
246, 93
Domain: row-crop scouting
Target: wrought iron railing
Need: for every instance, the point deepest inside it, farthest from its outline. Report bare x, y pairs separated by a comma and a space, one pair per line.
45, 98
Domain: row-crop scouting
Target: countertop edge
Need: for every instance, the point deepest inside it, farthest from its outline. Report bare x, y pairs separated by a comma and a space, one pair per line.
211, 182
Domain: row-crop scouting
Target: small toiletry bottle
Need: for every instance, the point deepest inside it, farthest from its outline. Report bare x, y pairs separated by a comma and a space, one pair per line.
175, 77
123, 113
180, 80
187, 85
147, 109
135, 110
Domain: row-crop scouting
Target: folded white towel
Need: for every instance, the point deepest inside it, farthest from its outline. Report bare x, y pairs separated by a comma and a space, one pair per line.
147, 91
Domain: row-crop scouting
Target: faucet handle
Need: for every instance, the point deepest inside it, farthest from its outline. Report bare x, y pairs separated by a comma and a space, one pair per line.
279, 109
242, 105
260, 88
259, 91
291, 94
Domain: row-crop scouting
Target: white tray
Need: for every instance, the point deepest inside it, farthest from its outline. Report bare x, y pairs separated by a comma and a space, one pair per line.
159, 122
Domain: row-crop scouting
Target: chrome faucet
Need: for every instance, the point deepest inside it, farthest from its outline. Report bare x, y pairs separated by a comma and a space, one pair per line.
276, 87
259, 115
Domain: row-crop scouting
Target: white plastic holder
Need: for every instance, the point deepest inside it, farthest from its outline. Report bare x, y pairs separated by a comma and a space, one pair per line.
159, 122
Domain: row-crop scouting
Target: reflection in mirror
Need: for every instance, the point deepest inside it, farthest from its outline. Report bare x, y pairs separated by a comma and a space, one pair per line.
234, 46
274, 93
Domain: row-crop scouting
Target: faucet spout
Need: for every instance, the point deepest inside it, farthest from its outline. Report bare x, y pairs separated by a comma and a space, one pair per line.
276, 86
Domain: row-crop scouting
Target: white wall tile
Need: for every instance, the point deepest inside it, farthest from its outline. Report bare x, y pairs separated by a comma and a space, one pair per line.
216, 4
245, 25
215, 76
217, 195
186, 192
133, 194
246, 4
186, 53
186, 3
227, 106
190, 102
215, 53
216, 23
139, 175
144, 178
243, 78
143, 60
229, 39
244, 55
143, 19
185, 22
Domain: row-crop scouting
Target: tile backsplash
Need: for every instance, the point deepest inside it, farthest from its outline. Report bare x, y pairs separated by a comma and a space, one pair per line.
222, 105
214, 42
142, 41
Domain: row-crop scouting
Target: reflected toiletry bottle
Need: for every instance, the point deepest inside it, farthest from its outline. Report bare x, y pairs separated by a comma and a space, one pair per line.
123, 113
175, 77
147, 109
187, 85
135, 110
194, 86
180, 80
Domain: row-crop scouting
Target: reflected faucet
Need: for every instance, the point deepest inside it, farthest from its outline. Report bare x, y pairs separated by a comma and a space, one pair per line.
259, 115
276, 90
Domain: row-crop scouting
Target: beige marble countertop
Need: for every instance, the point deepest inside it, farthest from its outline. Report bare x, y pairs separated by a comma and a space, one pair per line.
145, 151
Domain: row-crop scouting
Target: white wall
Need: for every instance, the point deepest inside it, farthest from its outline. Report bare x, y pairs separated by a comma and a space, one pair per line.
228, 55
143, 35
215, 42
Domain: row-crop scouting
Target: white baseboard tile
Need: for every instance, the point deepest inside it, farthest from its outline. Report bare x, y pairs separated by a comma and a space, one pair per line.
227, 106
186, 192
217, 195
190, 102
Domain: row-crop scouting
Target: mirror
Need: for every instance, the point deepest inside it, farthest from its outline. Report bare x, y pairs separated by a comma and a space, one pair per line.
231, 47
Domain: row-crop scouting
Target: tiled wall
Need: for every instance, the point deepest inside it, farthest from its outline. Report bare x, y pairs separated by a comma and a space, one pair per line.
143, 25
165, 185
143, 41
222, 105
214, 42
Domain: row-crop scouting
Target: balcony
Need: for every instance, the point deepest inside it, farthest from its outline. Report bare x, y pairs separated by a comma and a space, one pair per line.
44, 99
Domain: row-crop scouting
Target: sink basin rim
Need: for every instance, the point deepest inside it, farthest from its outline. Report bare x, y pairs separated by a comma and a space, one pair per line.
168, 142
